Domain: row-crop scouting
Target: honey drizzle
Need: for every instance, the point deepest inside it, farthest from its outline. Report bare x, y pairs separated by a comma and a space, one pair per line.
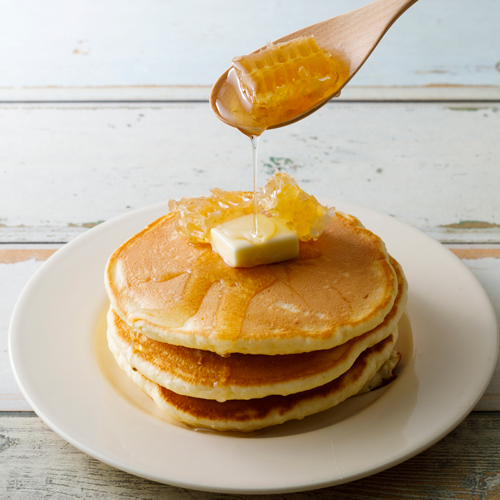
255, 157
290, 80
236, 297
234, 108
238, 287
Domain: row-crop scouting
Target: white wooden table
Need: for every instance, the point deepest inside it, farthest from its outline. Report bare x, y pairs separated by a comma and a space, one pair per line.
103, 110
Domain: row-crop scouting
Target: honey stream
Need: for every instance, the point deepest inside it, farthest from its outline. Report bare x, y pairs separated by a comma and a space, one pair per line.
276, 85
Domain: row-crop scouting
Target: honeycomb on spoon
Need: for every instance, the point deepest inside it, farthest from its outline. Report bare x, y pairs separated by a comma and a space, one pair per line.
297, 74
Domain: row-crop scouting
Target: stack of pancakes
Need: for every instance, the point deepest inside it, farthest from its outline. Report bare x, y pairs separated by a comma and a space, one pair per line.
241, 349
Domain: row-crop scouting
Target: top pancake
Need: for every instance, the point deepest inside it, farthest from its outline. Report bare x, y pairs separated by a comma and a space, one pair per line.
340, 286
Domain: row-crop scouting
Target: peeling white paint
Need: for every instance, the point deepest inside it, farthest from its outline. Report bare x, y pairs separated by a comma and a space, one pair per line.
492, 481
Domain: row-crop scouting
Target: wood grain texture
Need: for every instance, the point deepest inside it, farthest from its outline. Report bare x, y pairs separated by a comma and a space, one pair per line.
12, 256
37, 463
473, 253
87, 45
201, 93
432, 165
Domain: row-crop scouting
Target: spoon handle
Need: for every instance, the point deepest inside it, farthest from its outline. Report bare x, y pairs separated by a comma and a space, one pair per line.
374, 20
355, 33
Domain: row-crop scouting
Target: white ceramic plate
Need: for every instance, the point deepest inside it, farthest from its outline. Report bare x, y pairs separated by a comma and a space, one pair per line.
57, 333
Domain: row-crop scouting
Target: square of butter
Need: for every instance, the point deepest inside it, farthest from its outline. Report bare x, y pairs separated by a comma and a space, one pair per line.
240, 252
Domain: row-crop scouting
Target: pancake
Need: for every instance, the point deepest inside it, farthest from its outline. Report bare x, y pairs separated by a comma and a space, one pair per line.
341, 286
205, 374
385, 374
254, 414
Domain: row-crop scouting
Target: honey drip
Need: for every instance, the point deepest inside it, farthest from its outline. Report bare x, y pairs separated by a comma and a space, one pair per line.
238, 287
255, 157
277, 84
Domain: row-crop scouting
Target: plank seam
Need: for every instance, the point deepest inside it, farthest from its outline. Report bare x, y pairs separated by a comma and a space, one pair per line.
206, 101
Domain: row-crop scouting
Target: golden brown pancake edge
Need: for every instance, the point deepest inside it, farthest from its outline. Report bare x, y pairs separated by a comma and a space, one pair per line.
205, 374
341, 286
254, 414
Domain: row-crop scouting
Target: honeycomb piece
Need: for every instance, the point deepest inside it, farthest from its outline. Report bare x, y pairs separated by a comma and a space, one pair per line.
299, 211
195, 217
297, 74
280, 197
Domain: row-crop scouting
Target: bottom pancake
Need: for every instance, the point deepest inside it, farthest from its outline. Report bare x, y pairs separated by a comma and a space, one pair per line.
254, 414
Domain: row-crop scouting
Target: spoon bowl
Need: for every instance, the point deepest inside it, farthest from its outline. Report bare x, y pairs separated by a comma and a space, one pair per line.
350, 37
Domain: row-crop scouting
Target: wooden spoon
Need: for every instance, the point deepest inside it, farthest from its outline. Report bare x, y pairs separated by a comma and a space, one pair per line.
354, 34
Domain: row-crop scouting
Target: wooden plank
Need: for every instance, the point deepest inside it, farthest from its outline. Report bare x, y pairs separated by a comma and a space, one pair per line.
13, 256
19, 262
484, 263
432, 165
475, 253
463, 465
17, 265
166, 93
96, 45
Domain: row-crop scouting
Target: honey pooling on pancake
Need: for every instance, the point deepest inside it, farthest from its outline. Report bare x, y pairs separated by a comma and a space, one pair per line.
239, 286
340, 286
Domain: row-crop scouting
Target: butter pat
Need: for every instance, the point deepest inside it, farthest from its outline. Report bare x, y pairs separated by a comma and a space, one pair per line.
235, 243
